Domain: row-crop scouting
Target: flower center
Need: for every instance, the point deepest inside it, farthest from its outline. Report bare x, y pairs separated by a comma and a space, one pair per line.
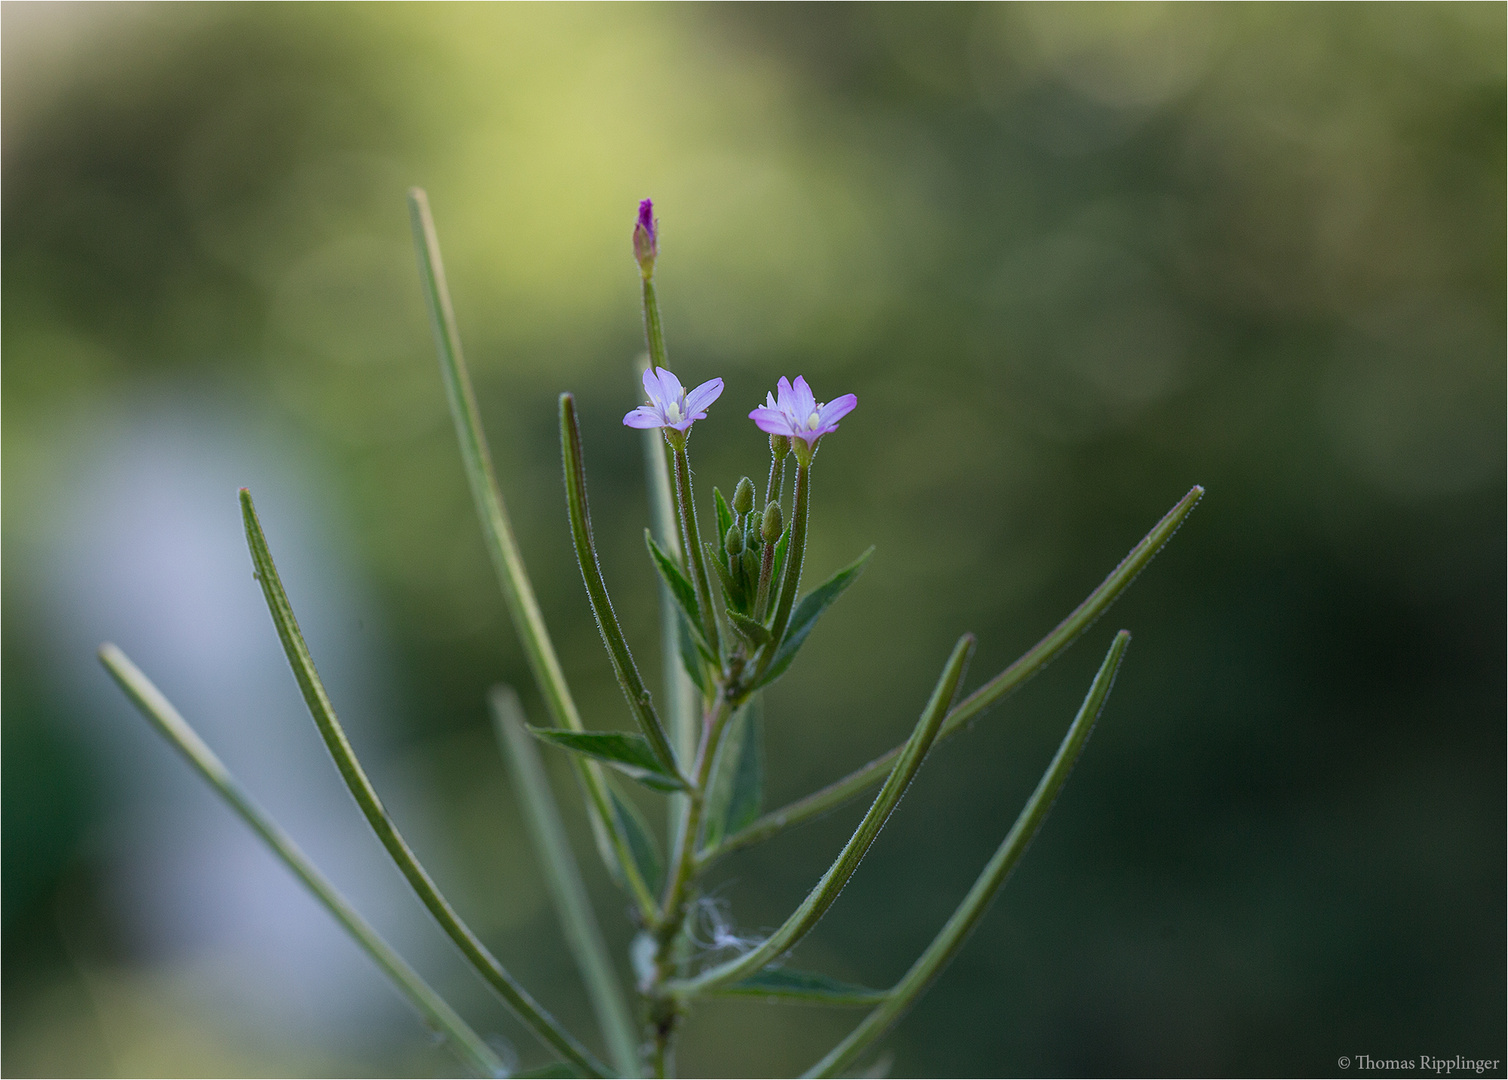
812, 421
673, 412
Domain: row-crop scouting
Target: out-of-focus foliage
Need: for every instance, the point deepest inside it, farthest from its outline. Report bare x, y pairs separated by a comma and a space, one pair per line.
1072, 259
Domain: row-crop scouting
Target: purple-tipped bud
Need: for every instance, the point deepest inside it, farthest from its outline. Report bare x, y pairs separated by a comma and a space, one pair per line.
646, 238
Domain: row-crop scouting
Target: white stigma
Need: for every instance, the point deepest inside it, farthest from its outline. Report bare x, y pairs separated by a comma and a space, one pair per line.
812, 421
673, 412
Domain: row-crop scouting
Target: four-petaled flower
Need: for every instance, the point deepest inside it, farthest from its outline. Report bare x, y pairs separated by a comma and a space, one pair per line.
797, 414
670, 406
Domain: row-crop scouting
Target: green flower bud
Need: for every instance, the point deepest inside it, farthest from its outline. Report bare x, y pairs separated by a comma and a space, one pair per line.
743, 497
780, 446
773, 523
733, 543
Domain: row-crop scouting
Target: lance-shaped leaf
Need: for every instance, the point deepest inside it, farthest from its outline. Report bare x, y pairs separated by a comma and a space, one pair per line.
755, 631
629, 754
641, 842
991, 693
577, 919
736, 789
624, 667
681, 589
497, 531
826, 890
786, 984
808, 611
173, 727
947, 943
507, 987
689, 645
719, 563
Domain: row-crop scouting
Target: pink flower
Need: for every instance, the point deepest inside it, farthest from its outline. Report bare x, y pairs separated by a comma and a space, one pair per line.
670, 406
797, 414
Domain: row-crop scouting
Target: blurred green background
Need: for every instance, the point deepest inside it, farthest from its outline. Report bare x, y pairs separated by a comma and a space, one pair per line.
1072, 260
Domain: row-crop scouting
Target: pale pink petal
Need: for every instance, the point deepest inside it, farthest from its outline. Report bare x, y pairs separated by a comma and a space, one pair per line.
803, 402
670, 387
645, 416
652, 384
836, 409
773, 421
704, 395
783, 388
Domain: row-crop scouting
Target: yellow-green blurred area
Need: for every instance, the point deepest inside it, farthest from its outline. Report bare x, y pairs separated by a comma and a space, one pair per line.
1071, 259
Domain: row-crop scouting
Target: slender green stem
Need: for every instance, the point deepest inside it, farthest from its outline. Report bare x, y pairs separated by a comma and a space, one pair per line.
826, 890
680, 695
502, 548
947, 943
496, 976
654, 333
790, 583
172, 726
577, 920
691, 542
624, 668
991, 693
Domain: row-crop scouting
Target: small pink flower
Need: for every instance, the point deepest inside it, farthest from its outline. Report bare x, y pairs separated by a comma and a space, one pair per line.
797, 414
670, 406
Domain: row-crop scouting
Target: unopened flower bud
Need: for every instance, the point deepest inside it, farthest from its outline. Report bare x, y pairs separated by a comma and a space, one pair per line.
780, 445
770, 530
646, 238
733, 543
743, 497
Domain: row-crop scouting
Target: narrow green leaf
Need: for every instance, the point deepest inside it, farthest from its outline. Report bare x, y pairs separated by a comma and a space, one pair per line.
991, 693
736, 789
753, 629
812, 605
786, 984
172, 726
963, 920
778, 566
502, 547
629, 679
725, 518
628, 753
681, 589
827, 889
719, 562
641, 840
577, 919
689, 643
545, 1026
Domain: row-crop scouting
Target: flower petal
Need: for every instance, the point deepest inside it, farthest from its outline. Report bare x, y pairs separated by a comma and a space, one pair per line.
836, 409
773, 421
645, 416
803, 401
704, 395
670, 387
783, 388
652, 385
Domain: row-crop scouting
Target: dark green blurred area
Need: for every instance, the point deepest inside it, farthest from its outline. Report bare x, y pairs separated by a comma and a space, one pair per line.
1072, 260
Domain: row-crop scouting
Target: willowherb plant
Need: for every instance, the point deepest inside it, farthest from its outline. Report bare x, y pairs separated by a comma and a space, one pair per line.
733, 620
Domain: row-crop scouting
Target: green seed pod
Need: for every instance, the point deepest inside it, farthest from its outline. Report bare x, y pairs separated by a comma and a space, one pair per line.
733, 543
772, 523
743, 497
